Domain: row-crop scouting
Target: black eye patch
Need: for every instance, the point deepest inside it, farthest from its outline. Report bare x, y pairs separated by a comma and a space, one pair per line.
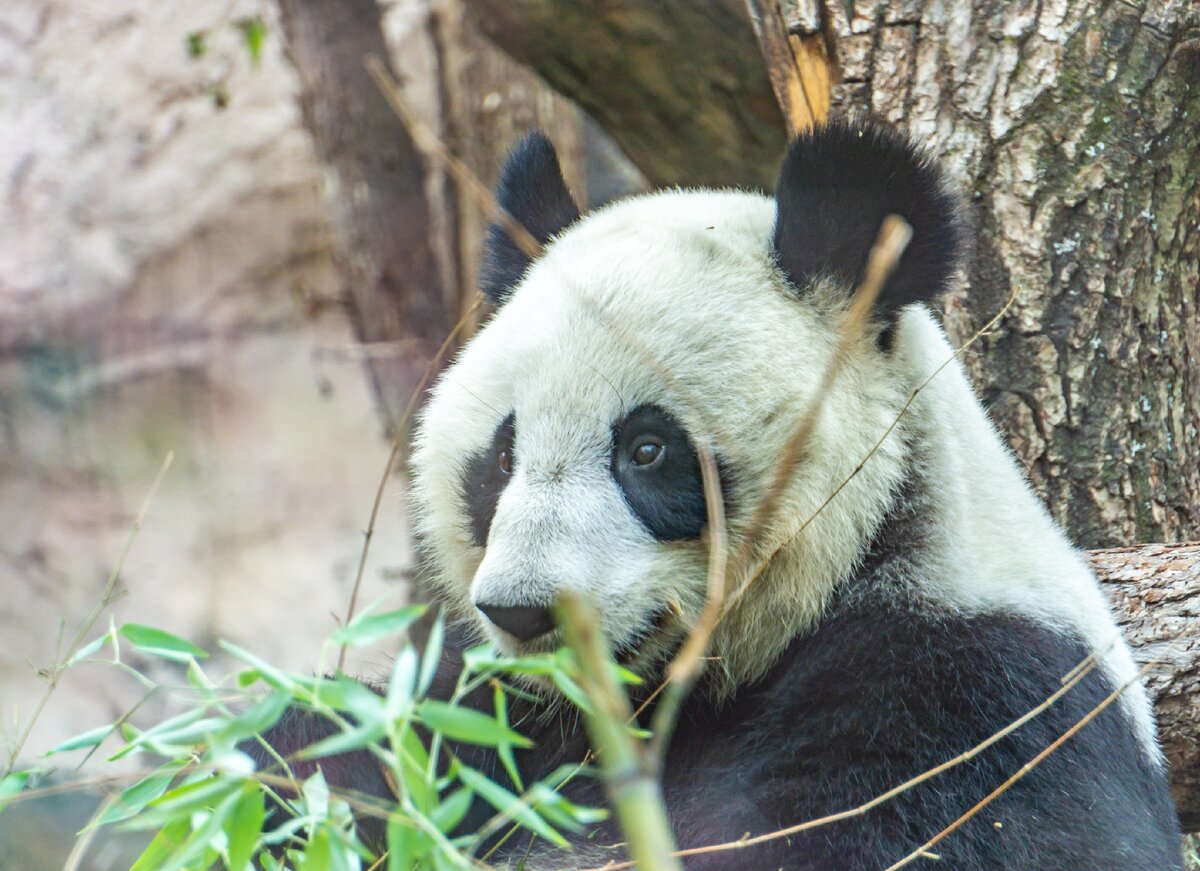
485, 478
656, 467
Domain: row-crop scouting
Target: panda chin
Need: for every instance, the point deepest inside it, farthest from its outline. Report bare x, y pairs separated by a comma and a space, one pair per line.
644, 650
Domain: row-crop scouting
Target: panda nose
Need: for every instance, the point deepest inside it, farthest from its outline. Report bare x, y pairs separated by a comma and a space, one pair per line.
523, 622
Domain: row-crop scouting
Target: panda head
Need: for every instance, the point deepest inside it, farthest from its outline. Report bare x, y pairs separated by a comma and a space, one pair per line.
562, 449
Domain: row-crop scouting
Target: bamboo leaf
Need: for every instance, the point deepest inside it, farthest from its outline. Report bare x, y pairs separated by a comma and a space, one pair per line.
244, 826
507, 803
368, 628
160, 643
464, 724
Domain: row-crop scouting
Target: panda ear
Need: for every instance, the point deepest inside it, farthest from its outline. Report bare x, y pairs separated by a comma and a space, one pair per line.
532, 191
837, 184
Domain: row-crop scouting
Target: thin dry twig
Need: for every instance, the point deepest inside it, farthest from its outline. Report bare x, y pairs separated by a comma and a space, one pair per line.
106, 599
1024, 769
894, 236
393, 455
435, 150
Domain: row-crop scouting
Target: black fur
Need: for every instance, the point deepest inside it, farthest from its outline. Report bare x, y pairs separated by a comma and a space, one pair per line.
532, 191
484, 480
668, 498
837, 184
884, 688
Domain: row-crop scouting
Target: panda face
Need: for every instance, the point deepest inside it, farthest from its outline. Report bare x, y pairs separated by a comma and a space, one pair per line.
554, 455
562, 449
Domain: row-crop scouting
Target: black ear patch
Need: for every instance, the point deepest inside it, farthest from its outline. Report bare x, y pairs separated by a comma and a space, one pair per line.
532, 190
837, 184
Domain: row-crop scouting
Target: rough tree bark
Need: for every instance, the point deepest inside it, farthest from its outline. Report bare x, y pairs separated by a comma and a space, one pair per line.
694, 110
400, 297
1076, 127
1156, 591
488, 102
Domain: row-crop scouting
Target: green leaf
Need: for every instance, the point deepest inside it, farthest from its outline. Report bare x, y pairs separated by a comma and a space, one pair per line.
184, 736
507, 803
504, 751
136, 797
414, 768
160, 643
259, 717
485, 658
90, 738
572, 691
184, 800
626, 676
368, 628
317, 856
561, 812
11, 785
164, 844
316, 795
401, 686
406, 844
355, 738
199, 845
138, 740
450, 811
254, 31
263, 670
433, 654
88, 649
244, 826
464, 724
345, 694
197, 44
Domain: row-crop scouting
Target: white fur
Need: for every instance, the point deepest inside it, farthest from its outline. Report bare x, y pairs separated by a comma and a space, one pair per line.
674, 299
995, 539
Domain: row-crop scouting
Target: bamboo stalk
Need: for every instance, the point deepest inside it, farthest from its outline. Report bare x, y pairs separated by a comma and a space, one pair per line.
629, 776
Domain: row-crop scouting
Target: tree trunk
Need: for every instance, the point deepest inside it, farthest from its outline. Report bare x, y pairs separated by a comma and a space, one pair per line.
1155, 590
1076, 128
401, 299
694, 110
488, 102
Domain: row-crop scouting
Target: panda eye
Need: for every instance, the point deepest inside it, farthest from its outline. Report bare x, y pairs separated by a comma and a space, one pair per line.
648, 452
504, 461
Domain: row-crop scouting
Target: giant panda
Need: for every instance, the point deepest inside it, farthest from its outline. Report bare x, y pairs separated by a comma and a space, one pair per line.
878, 633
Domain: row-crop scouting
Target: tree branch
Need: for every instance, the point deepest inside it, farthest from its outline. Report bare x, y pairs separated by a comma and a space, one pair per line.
1155, 589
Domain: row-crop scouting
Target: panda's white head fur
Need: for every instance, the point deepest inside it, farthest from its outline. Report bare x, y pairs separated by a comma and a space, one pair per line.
560, 450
